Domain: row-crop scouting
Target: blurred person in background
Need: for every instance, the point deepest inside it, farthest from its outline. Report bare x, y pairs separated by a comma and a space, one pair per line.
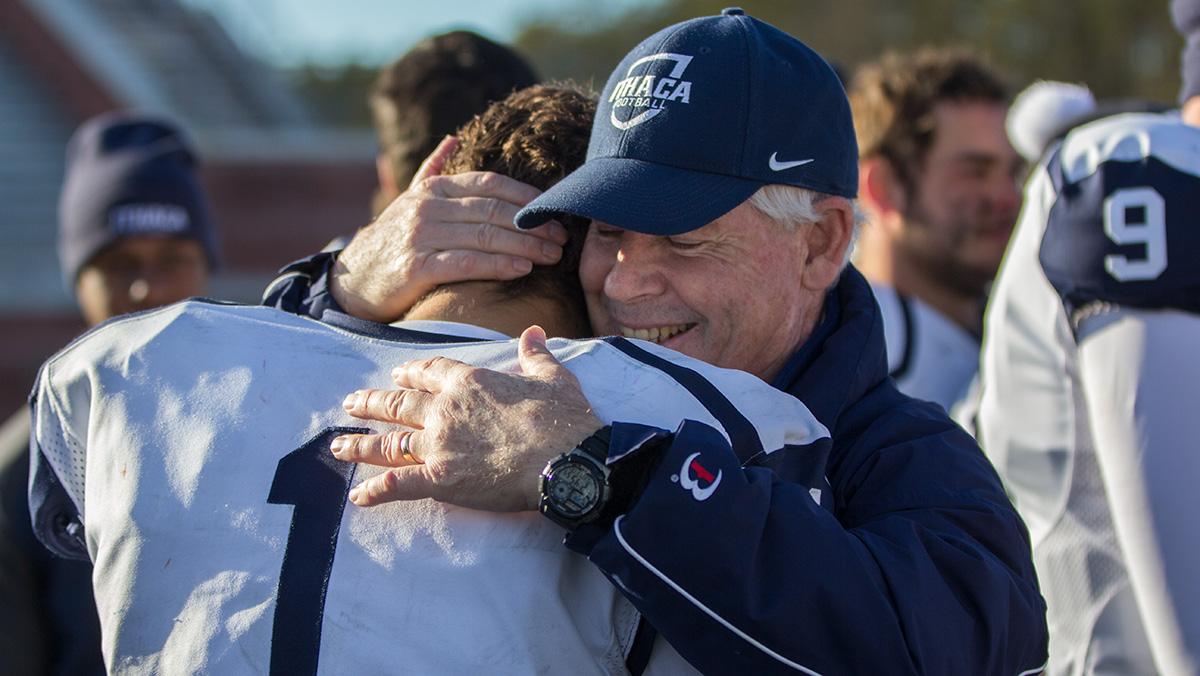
1090, 384
425, 95
134, 233
435, 88
938, 180
428, 93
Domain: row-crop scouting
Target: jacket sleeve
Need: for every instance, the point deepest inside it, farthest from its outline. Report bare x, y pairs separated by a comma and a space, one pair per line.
302, 287
1144, 426
922, 566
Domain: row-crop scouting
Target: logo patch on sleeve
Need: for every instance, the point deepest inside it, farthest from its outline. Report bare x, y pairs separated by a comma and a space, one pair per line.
697, 478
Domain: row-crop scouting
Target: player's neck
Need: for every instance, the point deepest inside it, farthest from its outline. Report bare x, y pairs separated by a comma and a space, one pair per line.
873, 256
478, 304
964, 310
881, 264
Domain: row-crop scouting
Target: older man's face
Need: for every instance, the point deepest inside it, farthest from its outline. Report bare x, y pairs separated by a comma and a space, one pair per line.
729, 293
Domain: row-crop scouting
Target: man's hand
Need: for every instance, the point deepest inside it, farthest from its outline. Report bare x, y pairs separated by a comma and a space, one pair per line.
472, 436
442, 229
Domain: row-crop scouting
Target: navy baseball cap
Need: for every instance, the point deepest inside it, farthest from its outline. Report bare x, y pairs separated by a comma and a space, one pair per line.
697, 118
128, 175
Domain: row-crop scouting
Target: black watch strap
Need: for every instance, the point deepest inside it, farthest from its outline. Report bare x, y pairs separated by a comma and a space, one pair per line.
596, 445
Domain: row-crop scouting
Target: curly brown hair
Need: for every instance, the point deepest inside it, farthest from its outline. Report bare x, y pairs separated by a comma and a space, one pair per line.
537, 135
893, 98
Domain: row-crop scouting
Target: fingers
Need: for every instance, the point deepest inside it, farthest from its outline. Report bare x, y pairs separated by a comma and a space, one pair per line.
445, 267
533, 355
390, 449
505, 254
404, 406
496, 239
464, 211
483, 184
432, 166
430, 375
412, 482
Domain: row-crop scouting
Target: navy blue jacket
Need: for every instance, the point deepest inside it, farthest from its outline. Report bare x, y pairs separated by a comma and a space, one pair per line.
891, 549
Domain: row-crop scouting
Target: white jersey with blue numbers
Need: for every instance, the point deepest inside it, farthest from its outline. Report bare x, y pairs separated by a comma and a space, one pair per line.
929, 356
185, 452
1091, 393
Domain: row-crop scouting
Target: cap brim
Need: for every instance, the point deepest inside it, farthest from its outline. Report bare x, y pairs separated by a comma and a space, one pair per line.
640, 196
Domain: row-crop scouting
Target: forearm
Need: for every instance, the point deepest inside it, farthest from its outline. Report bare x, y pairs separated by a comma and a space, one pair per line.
759, 578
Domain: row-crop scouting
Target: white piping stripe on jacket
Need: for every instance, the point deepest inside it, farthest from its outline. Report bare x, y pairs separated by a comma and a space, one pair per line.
694, 601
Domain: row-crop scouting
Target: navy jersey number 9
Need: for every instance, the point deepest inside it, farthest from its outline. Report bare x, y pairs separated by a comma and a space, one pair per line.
1147, 227
317, 484
1108, 236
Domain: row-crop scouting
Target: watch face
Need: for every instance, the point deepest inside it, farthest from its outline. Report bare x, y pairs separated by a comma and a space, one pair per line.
573, 489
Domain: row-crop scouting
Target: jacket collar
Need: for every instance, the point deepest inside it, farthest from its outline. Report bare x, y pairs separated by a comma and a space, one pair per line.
845, 357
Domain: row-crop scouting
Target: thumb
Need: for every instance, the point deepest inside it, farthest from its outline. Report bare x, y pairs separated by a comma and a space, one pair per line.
535, 358
432, 166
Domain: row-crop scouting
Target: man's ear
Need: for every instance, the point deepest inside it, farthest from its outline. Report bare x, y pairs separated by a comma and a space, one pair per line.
828, 240
880, 190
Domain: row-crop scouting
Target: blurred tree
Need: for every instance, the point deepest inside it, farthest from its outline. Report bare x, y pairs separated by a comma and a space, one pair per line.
1120, 48
338, 96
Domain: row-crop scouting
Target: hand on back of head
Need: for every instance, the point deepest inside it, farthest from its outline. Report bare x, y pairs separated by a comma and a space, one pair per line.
442, 229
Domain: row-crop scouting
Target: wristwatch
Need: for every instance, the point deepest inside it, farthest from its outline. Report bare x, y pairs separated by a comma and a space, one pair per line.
574, 487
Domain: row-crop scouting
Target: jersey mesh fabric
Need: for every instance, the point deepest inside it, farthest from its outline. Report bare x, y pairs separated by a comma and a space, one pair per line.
1082, 564
65, 453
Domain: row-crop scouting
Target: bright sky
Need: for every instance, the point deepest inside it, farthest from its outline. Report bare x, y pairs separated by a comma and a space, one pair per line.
293, 32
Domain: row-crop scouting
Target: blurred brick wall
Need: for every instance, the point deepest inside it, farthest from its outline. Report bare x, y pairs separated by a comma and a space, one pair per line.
28, 339
272, 214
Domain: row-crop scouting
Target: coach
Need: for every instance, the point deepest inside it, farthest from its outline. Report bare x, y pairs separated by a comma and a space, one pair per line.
720, 179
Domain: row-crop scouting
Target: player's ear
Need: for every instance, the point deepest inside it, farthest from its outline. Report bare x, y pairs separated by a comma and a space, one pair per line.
880, 190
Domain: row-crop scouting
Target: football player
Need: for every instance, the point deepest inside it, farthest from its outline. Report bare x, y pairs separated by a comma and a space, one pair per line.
1090, 382
938, 180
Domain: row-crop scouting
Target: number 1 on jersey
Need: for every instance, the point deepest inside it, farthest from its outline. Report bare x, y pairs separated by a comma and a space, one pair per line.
317, 484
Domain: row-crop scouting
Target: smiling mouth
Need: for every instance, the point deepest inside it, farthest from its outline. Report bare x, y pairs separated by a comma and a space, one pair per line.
655, 334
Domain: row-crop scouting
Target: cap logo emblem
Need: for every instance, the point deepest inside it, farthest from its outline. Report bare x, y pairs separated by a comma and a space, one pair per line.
651, 93
776, 165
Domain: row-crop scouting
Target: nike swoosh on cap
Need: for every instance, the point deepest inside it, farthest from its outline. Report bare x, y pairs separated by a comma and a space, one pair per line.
776, 165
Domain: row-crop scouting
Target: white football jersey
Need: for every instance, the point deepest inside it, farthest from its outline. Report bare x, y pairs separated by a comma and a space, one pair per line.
192, 443
929, 356
1090, 384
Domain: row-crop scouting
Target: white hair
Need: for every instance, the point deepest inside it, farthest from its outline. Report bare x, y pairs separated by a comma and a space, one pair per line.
791, 207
